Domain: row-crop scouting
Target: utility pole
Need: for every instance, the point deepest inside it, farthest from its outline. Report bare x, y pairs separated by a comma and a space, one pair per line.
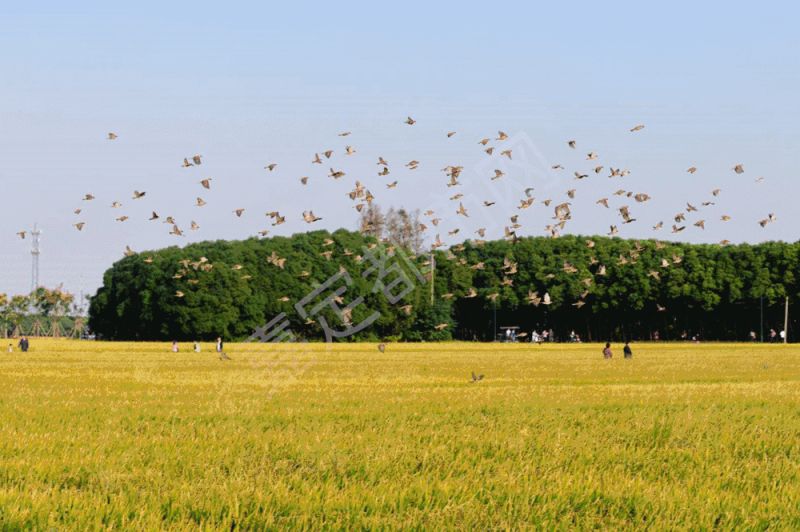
786, 321
433, 275
35, 252
494, 331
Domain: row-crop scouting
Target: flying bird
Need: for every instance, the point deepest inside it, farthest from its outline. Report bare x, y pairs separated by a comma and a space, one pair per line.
309, 217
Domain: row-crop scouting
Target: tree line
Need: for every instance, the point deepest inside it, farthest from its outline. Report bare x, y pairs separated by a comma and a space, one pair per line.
50, 304
602, 288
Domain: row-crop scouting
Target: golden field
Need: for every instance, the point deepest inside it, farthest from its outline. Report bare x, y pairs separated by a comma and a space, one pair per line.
131, 436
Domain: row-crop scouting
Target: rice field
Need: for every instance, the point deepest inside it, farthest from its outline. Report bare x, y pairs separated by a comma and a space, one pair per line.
100, 435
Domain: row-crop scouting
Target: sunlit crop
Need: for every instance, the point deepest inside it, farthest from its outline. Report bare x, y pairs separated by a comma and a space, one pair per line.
132, 436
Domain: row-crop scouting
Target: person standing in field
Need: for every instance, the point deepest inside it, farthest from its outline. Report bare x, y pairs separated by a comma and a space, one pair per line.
219, 344
607, 351
174, 346
196, 347
626, 351
24, 344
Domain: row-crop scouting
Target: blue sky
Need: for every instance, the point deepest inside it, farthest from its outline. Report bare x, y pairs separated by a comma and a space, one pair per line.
247, 83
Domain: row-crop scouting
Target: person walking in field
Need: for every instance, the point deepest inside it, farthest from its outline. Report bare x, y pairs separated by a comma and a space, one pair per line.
174, 346
607, 351
196, 347
627, 352
221, 351
24, 344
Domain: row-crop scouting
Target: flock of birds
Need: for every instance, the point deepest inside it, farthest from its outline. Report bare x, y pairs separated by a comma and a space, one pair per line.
492, 146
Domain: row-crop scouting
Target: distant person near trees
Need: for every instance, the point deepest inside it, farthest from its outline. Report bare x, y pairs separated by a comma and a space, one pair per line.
24, 344
627, 351
607, 351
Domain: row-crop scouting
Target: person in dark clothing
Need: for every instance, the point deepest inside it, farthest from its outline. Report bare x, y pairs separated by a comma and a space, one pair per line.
24, 344
626, 351
607, 351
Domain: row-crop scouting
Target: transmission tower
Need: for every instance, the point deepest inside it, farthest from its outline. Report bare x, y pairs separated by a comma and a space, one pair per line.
35, 252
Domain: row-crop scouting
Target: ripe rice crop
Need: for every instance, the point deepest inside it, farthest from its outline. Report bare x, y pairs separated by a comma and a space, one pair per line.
126, 435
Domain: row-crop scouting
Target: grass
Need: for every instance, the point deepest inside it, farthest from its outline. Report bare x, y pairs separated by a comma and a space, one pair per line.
105, 435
